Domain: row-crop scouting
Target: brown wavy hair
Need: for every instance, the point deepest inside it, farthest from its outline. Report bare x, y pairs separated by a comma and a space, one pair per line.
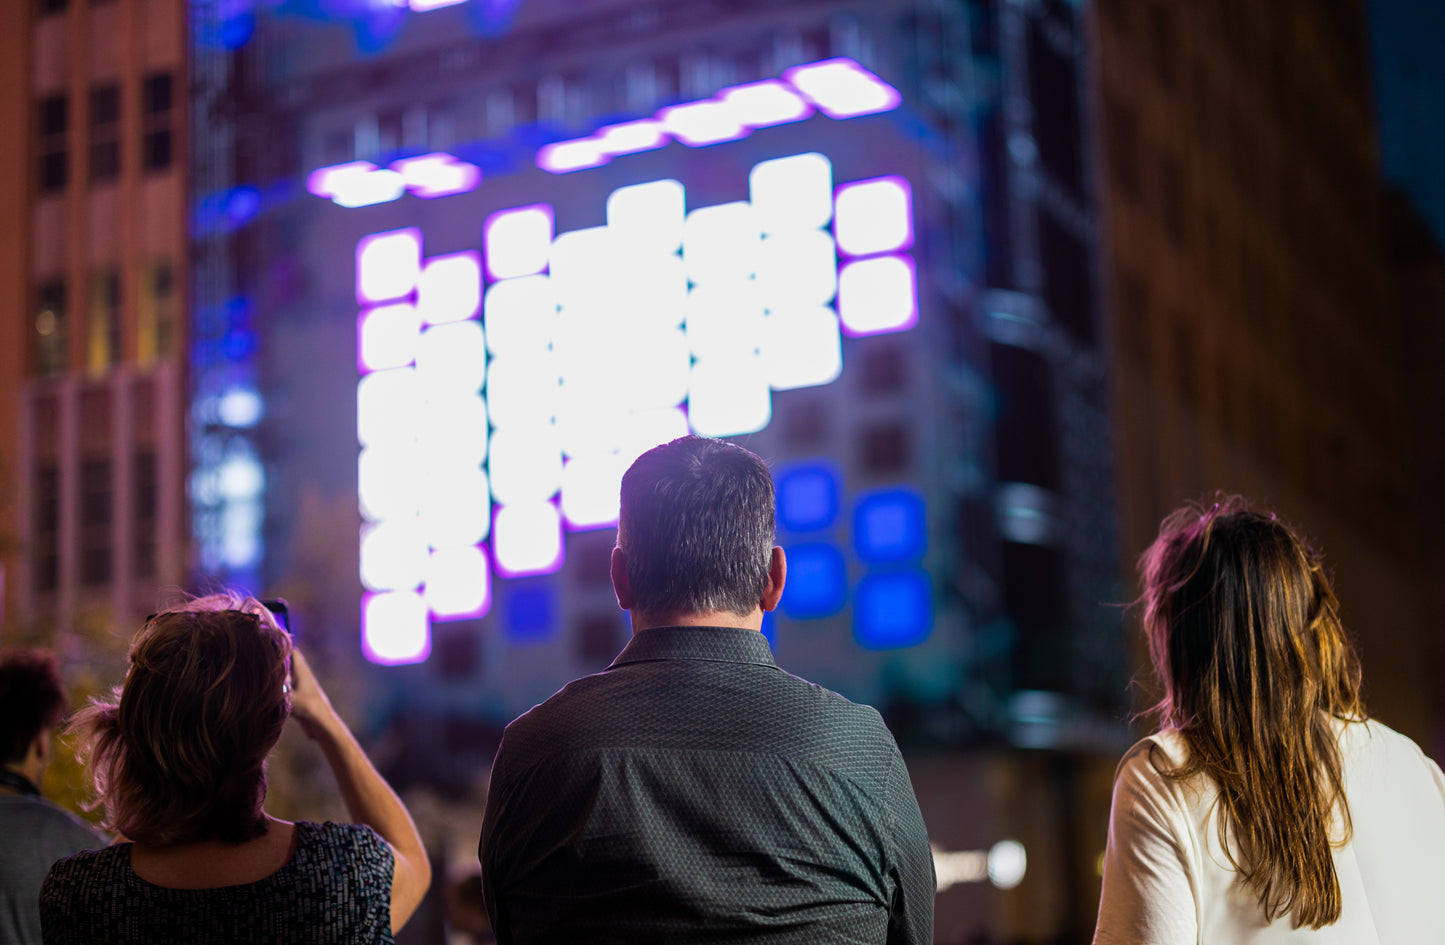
1245, 636
179, 753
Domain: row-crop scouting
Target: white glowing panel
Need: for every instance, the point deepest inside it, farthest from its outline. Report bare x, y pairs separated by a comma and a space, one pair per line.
388, 336
802, 348
590, 490
525, 465
452, 358
729, 397
766, 103
878, 295
874, 216
395, 628
521, 315
450, 288
842, 89
517, 241
792, 193
459, 582
388, 265
697, 124
527, 539
393, 555
387, 404
649, 217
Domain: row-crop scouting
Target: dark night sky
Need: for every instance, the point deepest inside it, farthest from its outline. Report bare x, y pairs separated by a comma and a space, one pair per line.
1409, 73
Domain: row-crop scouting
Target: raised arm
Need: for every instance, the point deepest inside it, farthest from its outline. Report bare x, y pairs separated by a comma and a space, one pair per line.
369, 799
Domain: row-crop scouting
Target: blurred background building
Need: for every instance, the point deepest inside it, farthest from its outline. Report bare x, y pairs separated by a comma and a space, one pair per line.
272, 276
94, 251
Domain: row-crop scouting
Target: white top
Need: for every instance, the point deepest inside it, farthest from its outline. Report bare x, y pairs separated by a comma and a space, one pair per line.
1166, 879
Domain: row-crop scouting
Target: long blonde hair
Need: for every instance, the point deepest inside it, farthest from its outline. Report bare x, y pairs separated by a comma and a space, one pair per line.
1245, 637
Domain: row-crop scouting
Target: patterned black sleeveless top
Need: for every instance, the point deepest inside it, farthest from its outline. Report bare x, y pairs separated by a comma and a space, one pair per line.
336, 888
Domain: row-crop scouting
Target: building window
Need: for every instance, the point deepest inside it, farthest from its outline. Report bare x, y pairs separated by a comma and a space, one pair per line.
156, 326
50, 329
102, 336
104, 133
158, 97
146, 504
95, 513
47, 528
54, 122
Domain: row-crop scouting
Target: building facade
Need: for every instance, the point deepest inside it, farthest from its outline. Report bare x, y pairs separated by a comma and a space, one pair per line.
1258, 343
94, 314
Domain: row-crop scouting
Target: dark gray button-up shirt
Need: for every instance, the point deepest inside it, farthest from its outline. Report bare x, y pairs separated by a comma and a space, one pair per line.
695, 792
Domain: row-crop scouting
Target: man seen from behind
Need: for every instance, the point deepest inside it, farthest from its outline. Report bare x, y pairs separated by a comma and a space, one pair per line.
693, 791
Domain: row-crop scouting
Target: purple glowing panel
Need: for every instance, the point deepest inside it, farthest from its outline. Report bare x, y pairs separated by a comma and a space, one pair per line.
563, 157
697, 124
527, 539
630, 137
422, 6
878, 295
449, 288
438, 175
387, 337
518, 241
763, 104
388, 265
874, 216
841, 88
394, 628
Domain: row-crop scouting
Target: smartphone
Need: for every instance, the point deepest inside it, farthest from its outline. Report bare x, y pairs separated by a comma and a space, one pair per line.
277, 606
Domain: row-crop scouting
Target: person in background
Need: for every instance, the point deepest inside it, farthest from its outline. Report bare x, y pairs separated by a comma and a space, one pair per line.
37, 833
1268, 808
179, 763
693, 791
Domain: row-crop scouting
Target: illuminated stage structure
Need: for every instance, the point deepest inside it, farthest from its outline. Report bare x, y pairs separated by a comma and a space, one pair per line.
842, 234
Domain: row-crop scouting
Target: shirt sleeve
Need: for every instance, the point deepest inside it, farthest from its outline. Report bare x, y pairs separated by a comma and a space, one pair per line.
1148, 896
910, 918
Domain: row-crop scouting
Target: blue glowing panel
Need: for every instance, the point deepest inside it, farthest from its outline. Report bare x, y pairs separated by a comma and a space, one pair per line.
770, 629
531, 614
893, 610
817, 582
807, 498
890, 526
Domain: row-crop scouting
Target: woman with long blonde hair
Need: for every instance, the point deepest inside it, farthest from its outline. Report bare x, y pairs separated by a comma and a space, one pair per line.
1268, 808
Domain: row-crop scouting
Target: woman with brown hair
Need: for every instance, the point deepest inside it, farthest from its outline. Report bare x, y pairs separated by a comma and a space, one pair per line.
1268, 808
179, 763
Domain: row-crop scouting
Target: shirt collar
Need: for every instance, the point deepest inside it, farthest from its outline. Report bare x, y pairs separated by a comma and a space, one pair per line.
719, 644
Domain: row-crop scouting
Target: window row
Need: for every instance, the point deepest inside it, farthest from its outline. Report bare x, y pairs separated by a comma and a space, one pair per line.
156, 325
157, 145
